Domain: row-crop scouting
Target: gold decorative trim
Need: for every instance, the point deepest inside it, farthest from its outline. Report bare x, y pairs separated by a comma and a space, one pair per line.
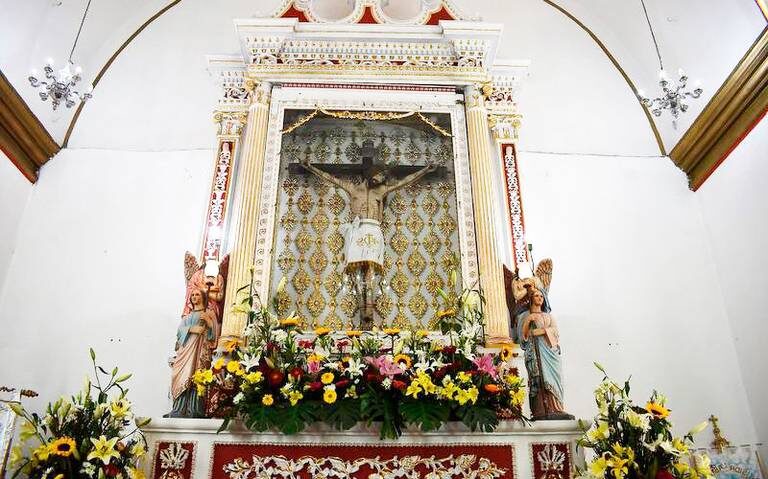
735, 108
364, 115
618, 67
109, 63
23, 138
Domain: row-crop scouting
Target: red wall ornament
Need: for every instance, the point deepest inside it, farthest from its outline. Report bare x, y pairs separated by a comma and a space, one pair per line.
551, 460
173, 460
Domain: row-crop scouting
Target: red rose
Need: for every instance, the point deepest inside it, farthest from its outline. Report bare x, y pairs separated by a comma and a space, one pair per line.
275, 378
399, 385
306, 344
297, 373
342, 384
449, 350
315, 386
440, 373
372, 377
271, 346
664, 474
111, 470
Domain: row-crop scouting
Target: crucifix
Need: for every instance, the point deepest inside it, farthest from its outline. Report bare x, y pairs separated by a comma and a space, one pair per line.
363, 237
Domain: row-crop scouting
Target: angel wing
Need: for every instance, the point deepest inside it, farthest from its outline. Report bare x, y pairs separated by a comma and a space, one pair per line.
544, 272
190, 266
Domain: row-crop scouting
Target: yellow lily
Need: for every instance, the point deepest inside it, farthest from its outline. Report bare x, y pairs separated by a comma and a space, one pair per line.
103, 449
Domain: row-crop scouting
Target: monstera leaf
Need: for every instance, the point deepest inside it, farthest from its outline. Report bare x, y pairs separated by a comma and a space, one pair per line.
293, 419
477, 417
259, 418
381, 407
427, 415
343, 414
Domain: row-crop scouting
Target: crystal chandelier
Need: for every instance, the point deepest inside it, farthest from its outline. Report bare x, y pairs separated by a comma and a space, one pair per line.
59, 85
674, 94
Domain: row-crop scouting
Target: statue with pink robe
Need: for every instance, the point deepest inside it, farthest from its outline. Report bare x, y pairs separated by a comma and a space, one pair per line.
195, 341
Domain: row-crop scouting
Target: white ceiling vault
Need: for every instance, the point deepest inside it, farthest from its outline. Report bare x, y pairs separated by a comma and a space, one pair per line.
158, 95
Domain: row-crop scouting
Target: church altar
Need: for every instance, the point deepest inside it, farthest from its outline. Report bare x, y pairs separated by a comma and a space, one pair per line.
365, 188
191, 449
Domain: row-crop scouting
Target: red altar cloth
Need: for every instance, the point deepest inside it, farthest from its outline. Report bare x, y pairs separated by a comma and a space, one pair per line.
364, 461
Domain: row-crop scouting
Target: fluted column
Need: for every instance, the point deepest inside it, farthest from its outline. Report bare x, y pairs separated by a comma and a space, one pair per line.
246, 208
491, 273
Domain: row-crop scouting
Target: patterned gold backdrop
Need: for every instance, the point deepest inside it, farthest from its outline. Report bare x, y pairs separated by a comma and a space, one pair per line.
419, 226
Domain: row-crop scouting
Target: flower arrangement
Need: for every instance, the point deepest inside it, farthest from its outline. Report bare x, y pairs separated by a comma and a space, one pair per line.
286, 379
636, 442
93, 434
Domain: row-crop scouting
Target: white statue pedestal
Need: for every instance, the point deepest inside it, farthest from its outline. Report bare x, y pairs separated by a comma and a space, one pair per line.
513, 451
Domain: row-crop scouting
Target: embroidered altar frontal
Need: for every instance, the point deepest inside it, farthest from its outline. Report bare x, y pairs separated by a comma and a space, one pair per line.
354, 461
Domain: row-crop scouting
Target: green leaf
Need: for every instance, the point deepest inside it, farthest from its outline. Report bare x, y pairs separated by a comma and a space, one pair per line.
294, 419
123, 377
427, 415
478, 418
599, 367
259, 418
343, 414
378, 407
224, 424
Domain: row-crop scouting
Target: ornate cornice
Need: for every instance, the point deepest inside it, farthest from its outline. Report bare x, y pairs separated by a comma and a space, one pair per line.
500, 101
731, 113
371, 11
23, 138
453, 52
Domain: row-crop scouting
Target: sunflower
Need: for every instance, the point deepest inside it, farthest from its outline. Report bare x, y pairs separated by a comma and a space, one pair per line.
354, 333
267, 400
63, 446
403, 359
657, 410
327, 378
391, 331
322, 331
292, 321
506, 353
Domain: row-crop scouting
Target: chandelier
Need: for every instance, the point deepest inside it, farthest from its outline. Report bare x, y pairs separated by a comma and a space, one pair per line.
674, 93
59, 85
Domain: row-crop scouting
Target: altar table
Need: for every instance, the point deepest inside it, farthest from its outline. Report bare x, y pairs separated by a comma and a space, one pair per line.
191, 449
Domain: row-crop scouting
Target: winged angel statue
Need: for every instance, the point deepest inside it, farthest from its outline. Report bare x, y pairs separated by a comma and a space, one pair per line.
198, 333
535, 329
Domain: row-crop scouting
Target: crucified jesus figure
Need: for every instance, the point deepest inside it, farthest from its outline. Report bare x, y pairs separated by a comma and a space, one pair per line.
363, 237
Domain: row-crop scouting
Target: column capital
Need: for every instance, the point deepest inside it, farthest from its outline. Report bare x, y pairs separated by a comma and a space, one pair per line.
229, 124
474, 99
505, 127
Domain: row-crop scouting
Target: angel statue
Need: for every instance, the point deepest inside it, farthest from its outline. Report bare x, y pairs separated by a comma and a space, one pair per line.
198, 333
535, 329
194, 344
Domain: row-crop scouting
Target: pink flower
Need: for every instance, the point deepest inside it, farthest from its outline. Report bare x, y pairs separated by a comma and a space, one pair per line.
485, 364
385, 366
313, 367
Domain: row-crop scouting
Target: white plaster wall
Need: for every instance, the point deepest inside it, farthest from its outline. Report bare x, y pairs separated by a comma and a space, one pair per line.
14, 192
734, 204
99, 262
634, 287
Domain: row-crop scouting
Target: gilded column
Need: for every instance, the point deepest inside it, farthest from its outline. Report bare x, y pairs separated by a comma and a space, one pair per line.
246, 208
491, 274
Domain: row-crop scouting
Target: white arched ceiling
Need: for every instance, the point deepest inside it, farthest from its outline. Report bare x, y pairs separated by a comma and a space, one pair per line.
158, 96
